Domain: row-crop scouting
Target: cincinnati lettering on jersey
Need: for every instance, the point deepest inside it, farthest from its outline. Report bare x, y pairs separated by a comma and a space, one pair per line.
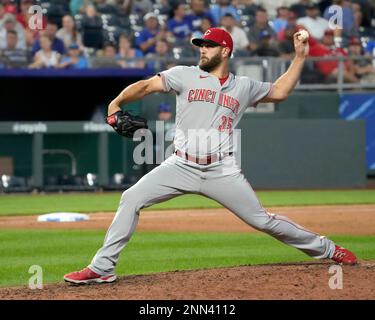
207, 95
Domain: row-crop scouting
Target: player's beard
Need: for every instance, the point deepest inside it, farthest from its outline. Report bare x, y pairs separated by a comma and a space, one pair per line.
209, 65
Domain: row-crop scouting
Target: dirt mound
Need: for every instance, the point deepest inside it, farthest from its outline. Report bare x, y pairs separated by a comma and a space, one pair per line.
278, 281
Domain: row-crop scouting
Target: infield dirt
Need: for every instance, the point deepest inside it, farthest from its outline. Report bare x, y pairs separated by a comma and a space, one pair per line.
277, 281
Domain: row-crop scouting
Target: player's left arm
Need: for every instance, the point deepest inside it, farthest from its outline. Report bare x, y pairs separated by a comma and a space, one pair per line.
285, 84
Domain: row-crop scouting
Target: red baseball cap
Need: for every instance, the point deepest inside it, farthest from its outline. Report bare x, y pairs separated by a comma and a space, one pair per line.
216, 37
354, 41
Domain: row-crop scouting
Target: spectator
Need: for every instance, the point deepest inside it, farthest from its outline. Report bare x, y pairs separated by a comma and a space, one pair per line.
239, 36
266, 48
74, 59
281, 21
151, 33
126, 53
348, 28
68, 33
364, 9
106, 57
260, 24
164, 7
198, 13
9, 6
10, 23
162, 58
358, 15
313, 23
139, 7
291, 24
221, 8
178, 24
329, 39
363, 67
45, 57
57, 44
330, 68
206, 24
286, 46
165, 114
107, 6
23, 17
11, 56
370, 50
299, 8
77, 6
92, 28
323, 5
248, 7
2, 13
109, 50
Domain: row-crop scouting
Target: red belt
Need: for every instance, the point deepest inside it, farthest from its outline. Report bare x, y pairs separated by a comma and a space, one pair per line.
205, 160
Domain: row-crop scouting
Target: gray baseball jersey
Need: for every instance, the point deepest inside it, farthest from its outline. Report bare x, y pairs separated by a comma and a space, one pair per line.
206, 108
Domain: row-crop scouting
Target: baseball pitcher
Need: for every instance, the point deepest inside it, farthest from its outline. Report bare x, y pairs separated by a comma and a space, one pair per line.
210, 102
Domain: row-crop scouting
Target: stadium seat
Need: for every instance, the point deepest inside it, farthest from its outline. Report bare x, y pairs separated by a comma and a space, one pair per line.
119, 181
367, 32
247, 21
90, 179
136, 19
13, 184
105, 8
109, 20
123, 22
70, 180
87, 181
78, 21
246, 10
51, 181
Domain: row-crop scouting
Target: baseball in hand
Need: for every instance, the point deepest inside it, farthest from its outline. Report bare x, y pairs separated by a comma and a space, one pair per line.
303, 35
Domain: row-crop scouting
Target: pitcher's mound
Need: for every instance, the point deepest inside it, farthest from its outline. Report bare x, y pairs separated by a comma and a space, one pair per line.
277, 281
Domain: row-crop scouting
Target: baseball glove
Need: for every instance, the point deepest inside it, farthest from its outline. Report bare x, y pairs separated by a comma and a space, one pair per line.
126, 124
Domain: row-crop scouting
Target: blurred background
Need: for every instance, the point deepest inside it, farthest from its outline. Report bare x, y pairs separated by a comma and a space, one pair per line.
62, 62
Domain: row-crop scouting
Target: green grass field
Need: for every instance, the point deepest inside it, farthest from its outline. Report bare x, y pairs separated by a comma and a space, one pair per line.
91, 202
59, 252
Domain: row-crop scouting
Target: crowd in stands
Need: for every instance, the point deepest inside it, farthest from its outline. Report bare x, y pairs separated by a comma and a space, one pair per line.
78, 34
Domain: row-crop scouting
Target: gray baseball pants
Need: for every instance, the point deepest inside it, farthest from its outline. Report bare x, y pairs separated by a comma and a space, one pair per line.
222, 181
